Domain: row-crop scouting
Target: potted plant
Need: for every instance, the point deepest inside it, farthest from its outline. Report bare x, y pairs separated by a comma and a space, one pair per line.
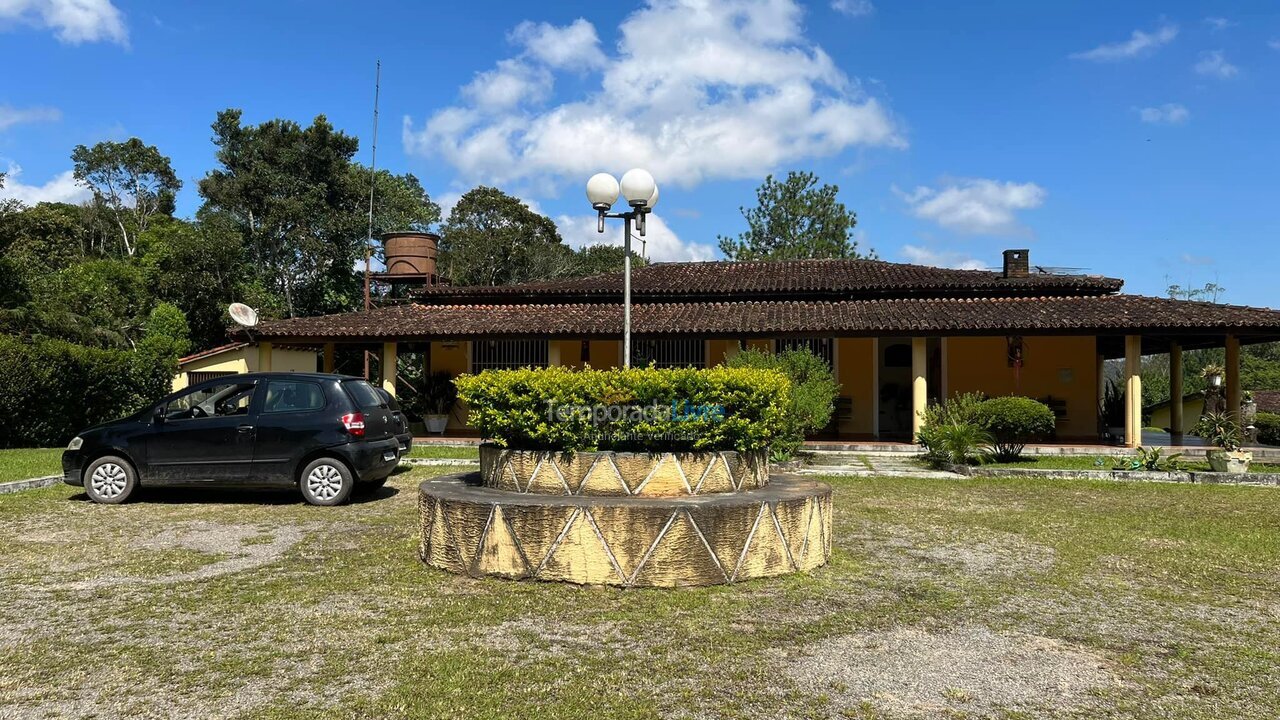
439, 395
1222, 431
1213, 374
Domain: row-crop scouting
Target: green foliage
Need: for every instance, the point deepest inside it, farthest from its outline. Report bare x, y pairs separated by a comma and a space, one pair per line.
100, 303
165, 334
51, 389
601, 259
795, 219
200, 268
492, 238
1151, 459
1220, 430
517, 408
1268, 426
131, 182
949, 431
1112, 405
1013, 422
813, 392
436, 396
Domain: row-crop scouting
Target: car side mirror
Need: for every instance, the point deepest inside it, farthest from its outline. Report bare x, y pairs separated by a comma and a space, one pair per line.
159, 415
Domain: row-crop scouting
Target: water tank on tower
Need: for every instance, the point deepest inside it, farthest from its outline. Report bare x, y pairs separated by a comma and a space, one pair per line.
410, 258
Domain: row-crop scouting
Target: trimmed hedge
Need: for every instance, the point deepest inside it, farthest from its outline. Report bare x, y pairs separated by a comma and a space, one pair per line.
50, 390
1268, 425
717, 409
1013, 422
813, 392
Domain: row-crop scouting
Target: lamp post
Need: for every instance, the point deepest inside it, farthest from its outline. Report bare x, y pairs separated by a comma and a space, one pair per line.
641, 194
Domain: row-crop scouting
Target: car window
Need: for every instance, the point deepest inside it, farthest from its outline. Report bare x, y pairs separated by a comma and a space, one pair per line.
389, 400
213, 401
292, 396
363, 393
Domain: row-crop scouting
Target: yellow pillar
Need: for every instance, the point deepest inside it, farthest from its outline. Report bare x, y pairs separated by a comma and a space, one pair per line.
1175, 393
328, 357
919, 384
389, 368
1233, 377
1133, 391
264, 356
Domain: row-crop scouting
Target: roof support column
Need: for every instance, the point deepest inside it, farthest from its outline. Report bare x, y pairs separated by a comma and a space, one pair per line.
1133, 391
388, 367
328, 357
1233, 377
919, 384
264, 356
1175, 393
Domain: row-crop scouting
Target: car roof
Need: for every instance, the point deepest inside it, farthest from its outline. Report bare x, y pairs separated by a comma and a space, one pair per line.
296, 375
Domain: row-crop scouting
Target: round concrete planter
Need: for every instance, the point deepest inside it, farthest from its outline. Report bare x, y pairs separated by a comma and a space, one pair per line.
665, 474
628, 541
1224, 461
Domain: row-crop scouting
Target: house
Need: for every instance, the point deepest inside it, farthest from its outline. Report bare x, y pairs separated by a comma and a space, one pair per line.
240, 357
897, 336
1266, 401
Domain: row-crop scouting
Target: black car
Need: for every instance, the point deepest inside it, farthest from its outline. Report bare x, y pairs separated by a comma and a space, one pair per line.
403, 433
327, 435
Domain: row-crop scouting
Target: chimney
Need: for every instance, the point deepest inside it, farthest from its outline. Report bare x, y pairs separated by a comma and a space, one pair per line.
1017, 263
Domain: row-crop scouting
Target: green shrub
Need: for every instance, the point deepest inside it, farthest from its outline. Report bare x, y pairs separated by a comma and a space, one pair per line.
51, 389
536, 409
1013, 422
1268, 425
958, 443
813, 392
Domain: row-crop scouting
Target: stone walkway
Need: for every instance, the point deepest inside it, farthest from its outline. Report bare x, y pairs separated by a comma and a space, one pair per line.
867, 464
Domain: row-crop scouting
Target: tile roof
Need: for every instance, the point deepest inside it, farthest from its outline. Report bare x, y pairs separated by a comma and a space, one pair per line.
794, 279
901, 316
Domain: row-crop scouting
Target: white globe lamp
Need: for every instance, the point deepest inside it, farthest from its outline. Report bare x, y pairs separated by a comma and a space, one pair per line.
637, 187
602, 191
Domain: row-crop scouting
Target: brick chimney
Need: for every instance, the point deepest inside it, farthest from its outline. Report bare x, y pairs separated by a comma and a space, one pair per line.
1017, 263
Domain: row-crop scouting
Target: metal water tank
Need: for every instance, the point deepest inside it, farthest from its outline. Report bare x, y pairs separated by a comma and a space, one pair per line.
410, 253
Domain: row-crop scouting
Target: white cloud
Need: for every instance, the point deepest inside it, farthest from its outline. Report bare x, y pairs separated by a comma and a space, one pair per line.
695, 91
1190, 259
511, 83
61, 188
853, 8
1139, 43
1274, 44
1167, 114
1218, 24
661, 244
975, 206
73, 21
574, 46
10, 116
1214, 64
921, 255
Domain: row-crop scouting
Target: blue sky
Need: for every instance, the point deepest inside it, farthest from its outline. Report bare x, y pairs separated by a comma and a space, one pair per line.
1133, 139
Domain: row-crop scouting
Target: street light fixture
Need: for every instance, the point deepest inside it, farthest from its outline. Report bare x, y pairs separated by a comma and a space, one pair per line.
641, 193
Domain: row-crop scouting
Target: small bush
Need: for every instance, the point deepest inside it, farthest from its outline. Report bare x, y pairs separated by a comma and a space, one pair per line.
958, 443
717, 409
811, 400
1268, 425
1013, 422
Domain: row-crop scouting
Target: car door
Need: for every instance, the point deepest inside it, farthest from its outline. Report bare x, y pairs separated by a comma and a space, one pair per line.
294, 420
204, 435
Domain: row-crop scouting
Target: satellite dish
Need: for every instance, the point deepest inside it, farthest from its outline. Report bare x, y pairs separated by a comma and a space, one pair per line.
243, 314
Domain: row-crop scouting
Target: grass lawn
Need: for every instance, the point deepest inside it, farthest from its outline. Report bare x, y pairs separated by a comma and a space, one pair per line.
974, 598
1098, 462
435, 451
26, 463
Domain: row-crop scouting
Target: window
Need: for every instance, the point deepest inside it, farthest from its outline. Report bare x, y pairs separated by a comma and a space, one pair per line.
822, 347
293, 396
363, 393
668, 353
199, 376
507, 354
213, 401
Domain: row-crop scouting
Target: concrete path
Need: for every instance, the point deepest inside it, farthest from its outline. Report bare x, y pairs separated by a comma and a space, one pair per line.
866, 464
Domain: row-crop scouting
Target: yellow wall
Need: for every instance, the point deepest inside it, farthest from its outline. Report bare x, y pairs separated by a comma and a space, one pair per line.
605, 354
720, 350
455, 359
1191, 410
567, 353
246, 360
855, 371
1064, 367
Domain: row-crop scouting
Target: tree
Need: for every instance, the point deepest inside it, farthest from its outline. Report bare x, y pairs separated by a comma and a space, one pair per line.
1210, 292
601, 259
300, 205
795, 219
492, 238
131, 181
199, 268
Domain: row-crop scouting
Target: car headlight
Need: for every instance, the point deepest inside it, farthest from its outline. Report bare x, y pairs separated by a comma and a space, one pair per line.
75, 443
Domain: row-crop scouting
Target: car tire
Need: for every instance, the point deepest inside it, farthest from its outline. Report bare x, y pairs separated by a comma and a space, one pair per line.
326, 481
110, 480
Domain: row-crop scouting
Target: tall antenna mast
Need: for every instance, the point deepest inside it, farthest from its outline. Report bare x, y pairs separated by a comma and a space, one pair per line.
373, 177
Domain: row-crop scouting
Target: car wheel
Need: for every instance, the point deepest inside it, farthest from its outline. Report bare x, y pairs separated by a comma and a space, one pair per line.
326, 481
110, 480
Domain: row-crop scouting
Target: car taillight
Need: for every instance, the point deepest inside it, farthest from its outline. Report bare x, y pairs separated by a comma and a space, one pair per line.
354, 423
